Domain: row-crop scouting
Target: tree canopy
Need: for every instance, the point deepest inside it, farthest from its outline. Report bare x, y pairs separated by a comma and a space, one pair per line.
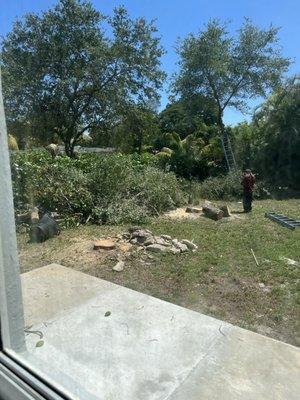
229, 69
63, 74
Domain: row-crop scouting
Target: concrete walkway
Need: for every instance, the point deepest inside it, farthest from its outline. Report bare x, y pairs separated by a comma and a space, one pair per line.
146, 349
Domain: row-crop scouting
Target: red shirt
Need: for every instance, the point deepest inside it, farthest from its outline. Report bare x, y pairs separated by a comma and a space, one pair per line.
248, 182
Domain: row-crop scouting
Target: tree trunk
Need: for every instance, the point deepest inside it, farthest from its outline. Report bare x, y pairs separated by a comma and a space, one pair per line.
212, 212
69, 149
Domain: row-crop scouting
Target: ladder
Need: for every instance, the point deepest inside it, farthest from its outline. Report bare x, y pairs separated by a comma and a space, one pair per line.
283, 220
227, 149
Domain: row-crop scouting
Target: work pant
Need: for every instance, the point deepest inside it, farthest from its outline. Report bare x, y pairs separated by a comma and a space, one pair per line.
247, 201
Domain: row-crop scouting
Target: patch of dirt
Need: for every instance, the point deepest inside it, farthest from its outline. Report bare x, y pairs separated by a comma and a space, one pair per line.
76, 252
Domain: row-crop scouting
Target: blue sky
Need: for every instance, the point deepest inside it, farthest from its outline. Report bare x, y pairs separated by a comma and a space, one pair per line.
176, 18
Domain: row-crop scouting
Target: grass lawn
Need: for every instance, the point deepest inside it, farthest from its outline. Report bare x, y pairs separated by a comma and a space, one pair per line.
220, 279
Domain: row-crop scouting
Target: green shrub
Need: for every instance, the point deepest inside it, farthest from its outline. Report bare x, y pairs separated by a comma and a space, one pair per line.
226, 187
158, 191
121, 211
111, 188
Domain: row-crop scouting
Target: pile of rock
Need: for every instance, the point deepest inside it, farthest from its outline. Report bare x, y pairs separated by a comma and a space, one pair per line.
158, 244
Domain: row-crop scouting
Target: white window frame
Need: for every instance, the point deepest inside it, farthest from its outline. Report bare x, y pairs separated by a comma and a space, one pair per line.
16, 381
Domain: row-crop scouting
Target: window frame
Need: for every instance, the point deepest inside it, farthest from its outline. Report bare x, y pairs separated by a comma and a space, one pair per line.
17, 382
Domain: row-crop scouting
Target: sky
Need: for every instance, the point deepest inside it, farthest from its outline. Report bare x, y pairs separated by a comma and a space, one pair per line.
177, 18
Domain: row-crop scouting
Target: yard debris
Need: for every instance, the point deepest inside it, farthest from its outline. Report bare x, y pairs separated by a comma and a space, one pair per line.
289, 261
166, 237
189, 244
255, 259
212, 212
45, 229
104, 244
157, 248
158, 244
264, 288
119, 266
225, 210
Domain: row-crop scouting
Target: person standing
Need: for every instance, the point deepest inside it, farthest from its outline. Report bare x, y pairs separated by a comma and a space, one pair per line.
248, 186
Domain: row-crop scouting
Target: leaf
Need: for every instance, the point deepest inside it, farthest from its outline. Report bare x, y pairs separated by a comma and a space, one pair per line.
107, 314
40, 343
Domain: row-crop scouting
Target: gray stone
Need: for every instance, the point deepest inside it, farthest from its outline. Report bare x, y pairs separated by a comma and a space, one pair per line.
134, 228
149, 241
141, 233
174, 242
174, 250
119, 266
166, 237
182, 247
159, 240
189, 244
156, 248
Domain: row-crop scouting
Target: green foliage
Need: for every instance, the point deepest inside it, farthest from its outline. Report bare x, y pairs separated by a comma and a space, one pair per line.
229, 69
271, 143
277, 128
62, 74
137, 129
110, 188
186, 116
53, 185
193, 157
225, 187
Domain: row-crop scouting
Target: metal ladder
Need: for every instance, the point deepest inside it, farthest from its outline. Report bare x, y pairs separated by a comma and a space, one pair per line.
227, 149
283, 220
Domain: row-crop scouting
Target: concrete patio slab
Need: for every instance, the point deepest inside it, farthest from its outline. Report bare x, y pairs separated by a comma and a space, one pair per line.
145, 349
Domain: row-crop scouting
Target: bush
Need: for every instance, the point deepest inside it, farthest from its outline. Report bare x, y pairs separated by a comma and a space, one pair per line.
226, 187
110, 188
158, 191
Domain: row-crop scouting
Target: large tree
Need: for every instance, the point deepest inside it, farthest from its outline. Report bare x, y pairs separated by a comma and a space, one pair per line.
229, 69
138, 128
185, 116
277, 126
64, 74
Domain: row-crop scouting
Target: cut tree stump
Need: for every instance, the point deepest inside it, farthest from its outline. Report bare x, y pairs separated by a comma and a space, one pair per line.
225, 210
104, 244
212, 212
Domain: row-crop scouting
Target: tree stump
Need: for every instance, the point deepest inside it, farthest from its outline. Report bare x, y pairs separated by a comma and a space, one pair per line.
212, 212
104, 244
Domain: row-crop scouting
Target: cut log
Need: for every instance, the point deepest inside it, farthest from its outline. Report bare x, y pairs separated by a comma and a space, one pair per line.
212, 212
45, 229
225, 210
34, 216
104, 244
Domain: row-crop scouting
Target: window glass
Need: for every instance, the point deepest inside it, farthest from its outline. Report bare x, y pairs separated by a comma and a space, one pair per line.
149, 197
